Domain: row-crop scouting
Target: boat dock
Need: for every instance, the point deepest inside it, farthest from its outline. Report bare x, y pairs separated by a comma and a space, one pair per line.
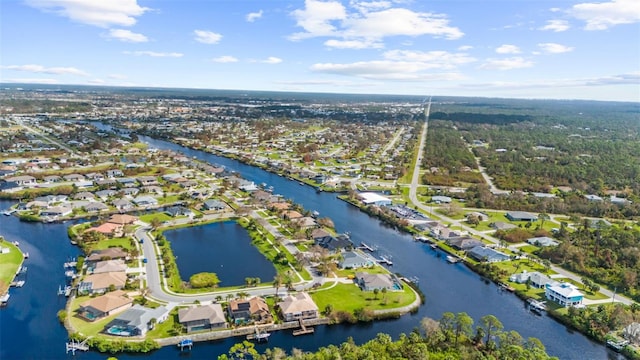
4, 300
74, 345
259, 335
384, 260
185, 343
537, 306
453, 259
303, 329
364, 246
617, 345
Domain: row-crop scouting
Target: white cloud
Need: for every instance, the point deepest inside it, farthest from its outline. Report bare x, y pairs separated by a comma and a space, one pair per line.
32, 81
601, 16
93, 12
367, 23
117, 76
316, 18
96, 82
207, 37
554, 48
271, 60
508, 49
127, 36
353, 44
621, 79
556, 25
251, 17
507, 63
386, 70
46, 70
154, 54
465, 47
225, 59
431, 59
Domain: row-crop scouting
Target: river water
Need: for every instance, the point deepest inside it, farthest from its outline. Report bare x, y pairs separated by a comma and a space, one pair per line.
29, 328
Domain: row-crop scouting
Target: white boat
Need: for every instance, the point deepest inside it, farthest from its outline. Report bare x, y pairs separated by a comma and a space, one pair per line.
453, 259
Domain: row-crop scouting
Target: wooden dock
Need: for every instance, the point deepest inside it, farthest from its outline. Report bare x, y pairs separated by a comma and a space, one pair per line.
73, 346
303, 329
364, 246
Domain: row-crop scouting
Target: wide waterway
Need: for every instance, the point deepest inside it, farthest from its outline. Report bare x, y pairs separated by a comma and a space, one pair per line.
29, 328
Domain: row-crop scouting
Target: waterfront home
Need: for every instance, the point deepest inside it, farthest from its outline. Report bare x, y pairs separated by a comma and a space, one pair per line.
464, 243
105, 266
213, 204
10, 186
251, 310
22, 180
563, 293
306, 222
332, 243
298, 306
96, 207
442, 232
56, 211
521, 216
481, 253
354, 260
100, 283
107, 254
122, 219
123, 204
291, 215
136, 321
370, 198
108, 229
203, 317
179, 211
246, 185
279, 206
535, 279
370, 282
105, 305
542, 241
145, 201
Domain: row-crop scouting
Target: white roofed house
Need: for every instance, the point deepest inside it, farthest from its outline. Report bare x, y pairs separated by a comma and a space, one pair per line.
22, 180
145, 201
565, 294
369, 198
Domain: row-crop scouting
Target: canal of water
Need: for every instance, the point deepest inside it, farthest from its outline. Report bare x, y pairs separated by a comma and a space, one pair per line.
29, 328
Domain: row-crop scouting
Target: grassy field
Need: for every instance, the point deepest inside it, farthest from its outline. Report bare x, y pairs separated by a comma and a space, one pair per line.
124, 242
9, 264
349, 297
159, 215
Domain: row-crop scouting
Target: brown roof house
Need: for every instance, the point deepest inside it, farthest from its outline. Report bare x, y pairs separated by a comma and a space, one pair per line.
122, 219
298, 306
107, 254
101, 283
105, 305
204, 317
252, 310
109, 266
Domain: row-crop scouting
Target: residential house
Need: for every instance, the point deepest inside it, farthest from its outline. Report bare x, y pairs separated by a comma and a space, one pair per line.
122, 219
542, 241
251, 310
370, 282
105, 305
521, 216
291, 215
96, 207
84, 195
464, 243
442, 232
147, 180
56, 211
127, 182
106, 266
130, 191
153, 189
298, 306
213, 204
123, 204
332, 243
107, 254
73, 177
145, 201
108, 229
370, 198
535, 279
591, 197
203, 317
22, 180
105, 183
10, 186
499, 225
106, 194
438, 199
354, 260
481, 253
306, 222
136, 321
279, 206
565, 294
114, 173
52, 179
101, 283
179, 211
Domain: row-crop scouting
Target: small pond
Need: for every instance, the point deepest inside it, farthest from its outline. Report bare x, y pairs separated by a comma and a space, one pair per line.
223, 248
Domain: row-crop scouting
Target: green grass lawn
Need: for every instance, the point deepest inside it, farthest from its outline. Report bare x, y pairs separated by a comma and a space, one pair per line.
348, 297
168, 199
124, 242
87, 328
158, 215
9, 264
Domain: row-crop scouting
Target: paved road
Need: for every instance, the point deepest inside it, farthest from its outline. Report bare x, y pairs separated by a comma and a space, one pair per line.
40, 134
430, 210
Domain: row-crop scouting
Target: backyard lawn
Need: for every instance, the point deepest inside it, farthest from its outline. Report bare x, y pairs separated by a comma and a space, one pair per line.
349, 297
9, 264
124, 243
158, 215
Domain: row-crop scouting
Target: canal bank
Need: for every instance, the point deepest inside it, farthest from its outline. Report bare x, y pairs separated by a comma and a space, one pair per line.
448, 288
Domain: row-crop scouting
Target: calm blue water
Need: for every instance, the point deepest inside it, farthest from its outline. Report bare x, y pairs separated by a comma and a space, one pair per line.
29, 328
219, 247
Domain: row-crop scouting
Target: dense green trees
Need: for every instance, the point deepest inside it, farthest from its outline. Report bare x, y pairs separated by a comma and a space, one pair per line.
450, 338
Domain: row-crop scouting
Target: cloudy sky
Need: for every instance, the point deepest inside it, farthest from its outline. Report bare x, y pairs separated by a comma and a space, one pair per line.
493, 48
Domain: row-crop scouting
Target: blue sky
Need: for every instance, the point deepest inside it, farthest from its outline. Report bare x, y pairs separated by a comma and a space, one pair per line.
508, 48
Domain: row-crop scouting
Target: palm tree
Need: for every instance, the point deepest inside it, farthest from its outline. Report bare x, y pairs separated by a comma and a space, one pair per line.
277, 282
